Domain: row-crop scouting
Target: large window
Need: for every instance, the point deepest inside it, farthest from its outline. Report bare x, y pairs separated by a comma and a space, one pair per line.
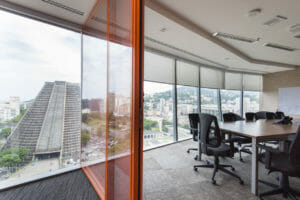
251, 101
209, 102
158, 114
40, 99
231, 101
187, 102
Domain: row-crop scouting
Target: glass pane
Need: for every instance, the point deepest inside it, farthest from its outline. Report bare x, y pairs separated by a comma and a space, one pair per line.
40, 99
251, 101
158, 114
209, 102
231, 101
187, 102
94, 82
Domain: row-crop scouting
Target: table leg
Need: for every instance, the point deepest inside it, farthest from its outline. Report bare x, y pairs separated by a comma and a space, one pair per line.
254, 177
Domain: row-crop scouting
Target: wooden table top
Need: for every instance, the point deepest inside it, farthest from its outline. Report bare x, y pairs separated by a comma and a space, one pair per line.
260, 128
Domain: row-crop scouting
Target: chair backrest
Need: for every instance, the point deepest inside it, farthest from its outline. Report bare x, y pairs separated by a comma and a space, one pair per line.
250, 116
295, 149
194, 120
231, 117
270, 115
279, 115
260, 115
207, 130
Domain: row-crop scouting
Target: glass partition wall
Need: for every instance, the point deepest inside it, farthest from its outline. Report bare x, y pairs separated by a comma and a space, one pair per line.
174, 88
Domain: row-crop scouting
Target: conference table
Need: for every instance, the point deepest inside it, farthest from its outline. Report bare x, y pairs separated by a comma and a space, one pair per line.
260, 131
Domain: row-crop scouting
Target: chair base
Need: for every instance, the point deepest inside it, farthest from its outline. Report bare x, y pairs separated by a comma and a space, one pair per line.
191, 149
216, 166
243, 149
283, 189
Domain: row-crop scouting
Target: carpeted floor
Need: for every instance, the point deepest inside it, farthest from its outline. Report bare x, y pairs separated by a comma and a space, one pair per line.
169, 175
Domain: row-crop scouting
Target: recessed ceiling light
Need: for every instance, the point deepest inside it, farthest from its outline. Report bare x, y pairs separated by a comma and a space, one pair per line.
275, 20
254, 12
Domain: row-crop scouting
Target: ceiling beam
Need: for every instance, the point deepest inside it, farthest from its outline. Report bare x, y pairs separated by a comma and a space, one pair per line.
177, 18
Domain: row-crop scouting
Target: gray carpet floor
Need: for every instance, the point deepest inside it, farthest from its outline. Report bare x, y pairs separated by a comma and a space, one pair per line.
69, 186
169, 175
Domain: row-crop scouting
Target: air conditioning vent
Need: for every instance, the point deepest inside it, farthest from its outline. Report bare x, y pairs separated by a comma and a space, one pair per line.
234, 37
275, 20
278, 46
60, 5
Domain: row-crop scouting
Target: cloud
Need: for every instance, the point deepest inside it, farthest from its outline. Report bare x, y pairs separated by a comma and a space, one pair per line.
33, 52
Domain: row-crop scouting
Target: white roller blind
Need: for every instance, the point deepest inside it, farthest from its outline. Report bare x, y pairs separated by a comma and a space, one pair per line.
252, 82
233, 81
159, 69
187, 74
211, 78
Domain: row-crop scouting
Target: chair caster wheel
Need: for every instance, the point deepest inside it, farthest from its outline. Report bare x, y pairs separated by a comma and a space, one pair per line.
214, 182
188, 151
232, 169
241, 182
195, 169
241, 160
207, 162
196, 158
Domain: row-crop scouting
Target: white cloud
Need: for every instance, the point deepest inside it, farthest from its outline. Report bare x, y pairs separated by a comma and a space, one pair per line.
33, 52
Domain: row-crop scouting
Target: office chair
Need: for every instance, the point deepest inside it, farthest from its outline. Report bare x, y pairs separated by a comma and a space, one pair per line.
279, 115
270, 115
260, 115
287, 163
250, 116
194, 120
240, 140
212, 145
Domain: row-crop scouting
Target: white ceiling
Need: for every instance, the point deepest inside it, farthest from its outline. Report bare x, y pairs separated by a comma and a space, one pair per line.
84, 6
228, 16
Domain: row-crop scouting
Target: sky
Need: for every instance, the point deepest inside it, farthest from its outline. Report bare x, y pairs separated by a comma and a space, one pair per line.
33, 52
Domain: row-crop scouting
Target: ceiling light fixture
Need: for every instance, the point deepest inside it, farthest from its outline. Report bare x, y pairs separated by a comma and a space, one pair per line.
235, 37
278, 46
254, 12
163, 29
295, 28
275, 20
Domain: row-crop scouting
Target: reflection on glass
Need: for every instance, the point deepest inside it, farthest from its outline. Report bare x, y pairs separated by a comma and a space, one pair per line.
251, 101
40, 106
158, 114
209, 102
231, 101
93, 99
186, 103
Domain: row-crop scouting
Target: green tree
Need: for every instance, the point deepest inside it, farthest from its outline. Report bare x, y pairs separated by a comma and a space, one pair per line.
85, 137
5, 132
149, 124
12, 156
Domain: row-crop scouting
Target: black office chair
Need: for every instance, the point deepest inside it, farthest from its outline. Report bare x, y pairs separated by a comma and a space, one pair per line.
194, 120
260, 115
279, 115
240, 140
288, 164
270, 115
250, 116
212, 145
